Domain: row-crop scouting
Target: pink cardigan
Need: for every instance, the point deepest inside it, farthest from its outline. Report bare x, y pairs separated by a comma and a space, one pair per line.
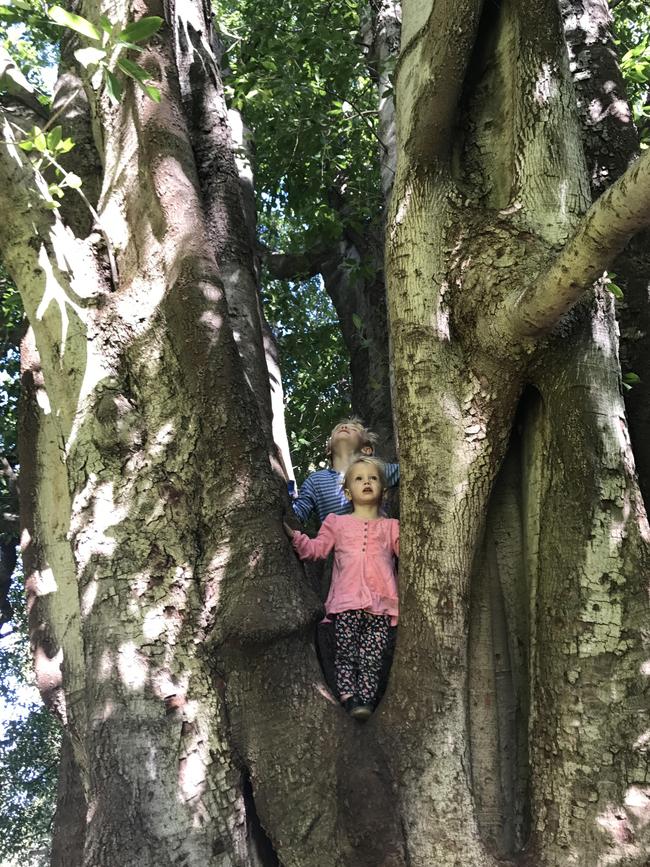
364, 576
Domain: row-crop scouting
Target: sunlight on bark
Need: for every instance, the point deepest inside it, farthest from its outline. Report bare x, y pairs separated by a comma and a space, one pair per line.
546, 86
621, 822
88, 596
92, 539
132, 666
54, 292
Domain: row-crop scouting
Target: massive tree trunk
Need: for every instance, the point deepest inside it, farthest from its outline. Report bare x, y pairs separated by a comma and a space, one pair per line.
611, 142
171, 625
544, 529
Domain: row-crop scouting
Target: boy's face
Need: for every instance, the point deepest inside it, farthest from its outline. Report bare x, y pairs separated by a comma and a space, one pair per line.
349, 433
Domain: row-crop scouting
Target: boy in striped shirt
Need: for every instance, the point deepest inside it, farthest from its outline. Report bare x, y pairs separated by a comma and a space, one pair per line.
321, 492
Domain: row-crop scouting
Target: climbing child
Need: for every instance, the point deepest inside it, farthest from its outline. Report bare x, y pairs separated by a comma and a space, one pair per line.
322, 491
363, 593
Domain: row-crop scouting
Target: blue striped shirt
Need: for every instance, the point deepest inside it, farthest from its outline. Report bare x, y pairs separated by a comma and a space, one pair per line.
321, 492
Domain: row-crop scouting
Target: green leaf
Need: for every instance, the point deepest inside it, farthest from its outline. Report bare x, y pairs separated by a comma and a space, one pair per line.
616, 291
113, 86
151, 91
74, 22
631, 378
27, 145
40, 142
54, 138
133, 70
66, 145
130, 45
139, 30
51, 206
55, 190
89, 56
358, 321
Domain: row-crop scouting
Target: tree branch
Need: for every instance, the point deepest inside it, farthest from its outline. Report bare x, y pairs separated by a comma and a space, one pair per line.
622, 211
297, 266
13, 82
430, 73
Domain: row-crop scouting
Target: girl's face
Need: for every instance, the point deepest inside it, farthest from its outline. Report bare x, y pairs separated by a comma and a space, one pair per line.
364, 486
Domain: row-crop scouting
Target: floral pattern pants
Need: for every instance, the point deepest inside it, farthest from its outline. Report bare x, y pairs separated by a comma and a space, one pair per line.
361, 640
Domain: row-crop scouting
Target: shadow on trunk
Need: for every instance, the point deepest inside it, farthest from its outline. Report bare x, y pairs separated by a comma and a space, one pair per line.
499, 642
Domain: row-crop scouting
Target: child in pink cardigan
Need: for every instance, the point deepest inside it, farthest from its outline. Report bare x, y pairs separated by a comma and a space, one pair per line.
363, 593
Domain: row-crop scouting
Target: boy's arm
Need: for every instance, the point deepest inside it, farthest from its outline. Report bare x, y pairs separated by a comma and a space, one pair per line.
305, 502
318, 548
392, 474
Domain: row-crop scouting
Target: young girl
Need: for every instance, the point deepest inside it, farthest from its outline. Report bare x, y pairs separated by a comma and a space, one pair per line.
363, 593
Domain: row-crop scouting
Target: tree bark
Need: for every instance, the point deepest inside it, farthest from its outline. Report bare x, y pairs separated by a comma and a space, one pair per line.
611, 143
171, 625
507, 197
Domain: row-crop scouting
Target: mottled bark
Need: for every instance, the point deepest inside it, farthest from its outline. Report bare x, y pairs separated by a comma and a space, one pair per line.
611, 143
171, 624
226, 194
478, 235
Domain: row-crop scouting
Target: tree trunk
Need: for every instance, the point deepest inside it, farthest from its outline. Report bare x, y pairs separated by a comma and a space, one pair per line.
505, 193
611, 143
172, 628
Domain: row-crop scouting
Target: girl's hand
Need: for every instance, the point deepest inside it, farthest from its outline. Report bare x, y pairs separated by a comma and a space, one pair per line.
288, 530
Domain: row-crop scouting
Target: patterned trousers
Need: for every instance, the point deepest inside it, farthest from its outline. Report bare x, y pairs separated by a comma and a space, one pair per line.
361, 640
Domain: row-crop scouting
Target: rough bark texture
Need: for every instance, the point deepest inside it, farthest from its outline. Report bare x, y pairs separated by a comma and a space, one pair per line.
552, 584
172, 628
611, 142
170, 623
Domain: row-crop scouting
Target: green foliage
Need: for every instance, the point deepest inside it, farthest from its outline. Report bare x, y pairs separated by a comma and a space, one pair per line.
315, 368
630, 379
632, 33
11, 314
296, 71
102, 60
31, 38
29, 750
45, 148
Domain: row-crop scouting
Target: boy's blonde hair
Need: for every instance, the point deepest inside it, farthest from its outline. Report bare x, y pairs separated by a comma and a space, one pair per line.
366, 459
368, 438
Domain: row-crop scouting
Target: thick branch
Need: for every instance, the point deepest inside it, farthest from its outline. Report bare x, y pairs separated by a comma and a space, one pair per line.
601, 235
14, 83
431, 71
298, 266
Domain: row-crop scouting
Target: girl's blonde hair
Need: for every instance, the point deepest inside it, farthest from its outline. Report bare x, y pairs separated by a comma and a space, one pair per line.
366, 459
